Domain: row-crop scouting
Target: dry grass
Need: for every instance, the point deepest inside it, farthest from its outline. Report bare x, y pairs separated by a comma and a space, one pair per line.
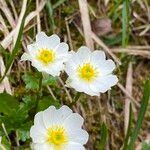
73, 21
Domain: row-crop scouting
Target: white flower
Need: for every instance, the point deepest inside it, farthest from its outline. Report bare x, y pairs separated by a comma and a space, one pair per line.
90, 72
47, 54
58, 129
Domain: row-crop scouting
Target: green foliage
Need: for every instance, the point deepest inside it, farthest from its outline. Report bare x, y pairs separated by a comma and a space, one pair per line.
7, 103
47, 101
113, 40
125, 22
146, 97
129, 129
146, 146
14, 114
103, 140
49, 80
134, 134
31, 80
23, 135
50, 14
58, 3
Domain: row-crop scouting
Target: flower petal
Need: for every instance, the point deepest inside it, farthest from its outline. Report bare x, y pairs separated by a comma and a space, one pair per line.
33, 49
25, 57
83, 54
78, 136
81, 86
43, 41
62, 50
55, 68
70, 67
74, 121
43, 146
98, 57
51, 116
37, 135
75, 146
103, 84
107, 67
64, 112
38, 121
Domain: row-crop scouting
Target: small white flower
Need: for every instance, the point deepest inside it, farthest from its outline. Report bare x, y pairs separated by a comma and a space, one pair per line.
58, 129
90, 72
47, 54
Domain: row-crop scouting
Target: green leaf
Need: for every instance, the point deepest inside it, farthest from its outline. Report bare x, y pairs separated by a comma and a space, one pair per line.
49, 80
7, 103
58, 3
47, 101
110, 41
24, 131
31, 80
23, 135
146, 146
50, 14
18, 116
125, 22
129, 129
103, 140
144, 104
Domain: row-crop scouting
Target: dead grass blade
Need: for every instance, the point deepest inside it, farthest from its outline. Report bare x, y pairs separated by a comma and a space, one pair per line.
7, 12
127, 100
5, 85
127, 94
86, 23
8, 39
17, 29
67, 92
38, 17
130, 51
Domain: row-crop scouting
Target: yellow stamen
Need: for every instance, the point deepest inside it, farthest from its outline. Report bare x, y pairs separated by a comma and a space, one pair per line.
57, 136
87, 72
46, 56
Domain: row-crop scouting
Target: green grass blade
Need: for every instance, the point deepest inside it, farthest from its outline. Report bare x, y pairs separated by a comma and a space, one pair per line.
129, 129
125, 23
16, 48
58, 3
144, 104
103, 140
50, 14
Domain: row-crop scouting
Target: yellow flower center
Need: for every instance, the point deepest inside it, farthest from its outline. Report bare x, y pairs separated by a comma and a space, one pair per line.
46, 56
57, 136
87, 72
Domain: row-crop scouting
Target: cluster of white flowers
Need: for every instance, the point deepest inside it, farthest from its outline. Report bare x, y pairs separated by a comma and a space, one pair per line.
88, 72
